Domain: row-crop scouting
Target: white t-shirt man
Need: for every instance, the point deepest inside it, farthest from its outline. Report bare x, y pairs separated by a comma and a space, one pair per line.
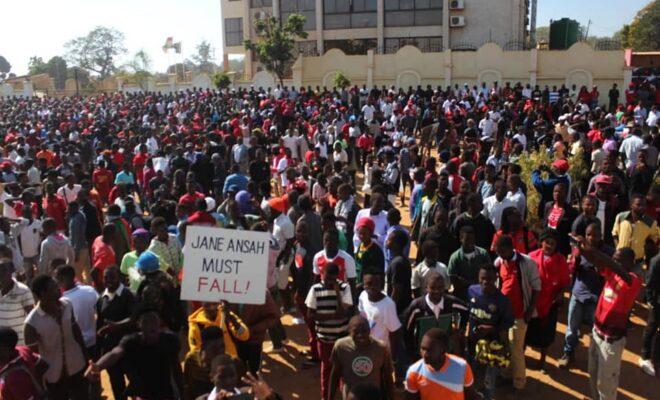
493, 209
83, 299
381, 315
283, 230
69, 194
368, 111
291, 143
421, 271
344, 261
630, 147
29, 236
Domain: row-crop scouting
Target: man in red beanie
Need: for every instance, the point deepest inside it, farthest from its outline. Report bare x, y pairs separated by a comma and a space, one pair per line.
556, 174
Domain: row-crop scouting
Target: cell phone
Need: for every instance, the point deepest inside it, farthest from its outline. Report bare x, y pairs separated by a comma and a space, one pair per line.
573, 241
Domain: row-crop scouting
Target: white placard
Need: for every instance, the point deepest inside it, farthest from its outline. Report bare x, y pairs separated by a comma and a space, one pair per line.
224, 264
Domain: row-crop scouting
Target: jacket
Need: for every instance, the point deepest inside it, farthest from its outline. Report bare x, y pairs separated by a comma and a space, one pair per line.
530, 278
55, 246
259, 318
198, 320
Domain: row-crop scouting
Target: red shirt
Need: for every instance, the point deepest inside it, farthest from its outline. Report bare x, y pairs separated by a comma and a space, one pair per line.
103, 255
519, 243
17, 383
138, 165
102, 179
554, 275
18, 208
615, 302
202, 219
190, 198
511, 286
55, 208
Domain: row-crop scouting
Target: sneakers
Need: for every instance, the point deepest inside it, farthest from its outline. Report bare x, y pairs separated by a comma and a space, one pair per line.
565, 361
647, 366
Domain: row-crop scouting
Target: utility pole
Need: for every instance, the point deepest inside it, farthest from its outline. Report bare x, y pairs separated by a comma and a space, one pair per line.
532, 25
75, 75
586, 35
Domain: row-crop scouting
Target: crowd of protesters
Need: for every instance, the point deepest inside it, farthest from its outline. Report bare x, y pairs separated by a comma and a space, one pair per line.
97, 193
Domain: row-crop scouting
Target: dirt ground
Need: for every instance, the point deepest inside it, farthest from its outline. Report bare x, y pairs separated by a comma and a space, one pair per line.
284, 373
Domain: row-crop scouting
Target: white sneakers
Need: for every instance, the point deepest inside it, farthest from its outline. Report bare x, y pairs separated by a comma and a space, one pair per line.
647, 366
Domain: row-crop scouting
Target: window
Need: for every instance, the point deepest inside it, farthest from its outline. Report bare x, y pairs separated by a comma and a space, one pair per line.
306, 8
343, 14
233, 31
351, 46
307, 48
413, 12
261, 3
424, 44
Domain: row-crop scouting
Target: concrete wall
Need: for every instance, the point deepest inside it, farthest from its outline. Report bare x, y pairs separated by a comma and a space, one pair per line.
580, 64
500, 21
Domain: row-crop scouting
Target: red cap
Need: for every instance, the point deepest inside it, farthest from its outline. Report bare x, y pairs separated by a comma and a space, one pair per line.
366, 222
279, 203
604, 179
561, 165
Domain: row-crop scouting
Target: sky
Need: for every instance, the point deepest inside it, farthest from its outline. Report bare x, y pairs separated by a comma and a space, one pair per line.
42, 27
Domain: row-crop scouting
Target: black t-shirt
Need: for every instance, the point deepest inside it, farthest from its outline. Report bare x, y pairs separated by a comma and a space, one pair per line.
149, 366
399, 272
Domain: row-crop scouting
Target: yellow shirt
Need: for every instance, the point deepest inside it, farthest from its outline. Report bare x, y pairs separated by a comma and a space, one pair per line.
634, 234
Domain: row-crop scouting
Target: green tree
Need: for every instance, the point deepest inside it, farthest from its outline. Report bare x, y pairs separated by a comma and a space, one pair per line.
5, 67
97, 51
643, 33
340, 80
221, 80
36, 65
138, 70
276, 42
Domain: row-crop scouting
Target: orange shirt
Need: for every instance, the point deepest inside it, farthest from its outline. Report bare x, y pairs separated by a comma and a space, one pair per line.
447, 383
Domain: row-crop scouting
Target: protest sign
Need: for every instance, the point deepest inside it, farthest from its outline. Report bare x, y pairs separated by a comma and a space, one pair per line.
223, 264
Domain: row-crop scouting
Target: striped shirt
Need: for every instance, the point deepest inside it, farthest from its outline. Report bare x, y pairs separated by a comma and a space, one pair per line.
324, 301
447, 383
12, 308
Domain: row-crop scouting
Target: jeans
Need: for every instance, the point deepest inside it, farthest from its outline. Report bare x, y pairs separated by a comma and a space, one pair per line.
73, 387
578, 313
604, 366
650, 335
251, 355
117, 381
483, 373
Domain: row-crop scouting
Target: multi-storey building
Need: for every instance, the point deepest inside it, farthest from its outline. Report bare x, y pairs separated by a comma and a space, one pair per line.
355, 26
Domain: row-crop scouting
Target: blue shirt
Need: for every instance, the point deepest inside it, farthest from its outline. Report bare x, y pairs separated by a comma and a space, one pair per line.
588, 281
406, 250
493, 309
125, 177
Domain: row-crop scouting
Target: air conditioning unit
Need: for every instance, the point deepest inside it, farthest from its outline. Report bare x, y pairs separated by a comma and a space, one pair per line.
456, 4
456, 21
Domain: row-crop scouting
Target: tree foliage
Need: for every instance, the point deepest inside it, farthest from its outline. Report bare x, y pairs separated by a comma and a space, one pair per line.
643, 33
276, 42
97, 51
5, 67
221, 80
340, 80
138, 70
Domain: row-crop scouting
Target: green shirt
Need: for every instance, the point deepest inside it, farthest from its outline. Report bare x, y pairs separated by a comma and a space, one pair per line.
128, 268
464, 270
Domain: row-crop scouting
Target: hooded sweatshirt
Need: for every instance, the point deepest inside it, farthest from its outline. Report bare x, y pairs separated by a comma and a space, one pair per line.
198, 320
55, 246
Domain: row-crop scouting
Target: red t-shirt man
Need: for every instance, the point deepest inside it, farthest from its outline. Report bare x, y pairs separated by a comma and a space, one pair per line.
55, 208
103, 180
615, 302
344, 261
511, 288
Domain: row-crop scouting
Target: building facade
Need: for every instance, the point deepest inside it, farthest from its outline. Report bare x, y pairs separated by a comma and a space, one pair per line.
383, 26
